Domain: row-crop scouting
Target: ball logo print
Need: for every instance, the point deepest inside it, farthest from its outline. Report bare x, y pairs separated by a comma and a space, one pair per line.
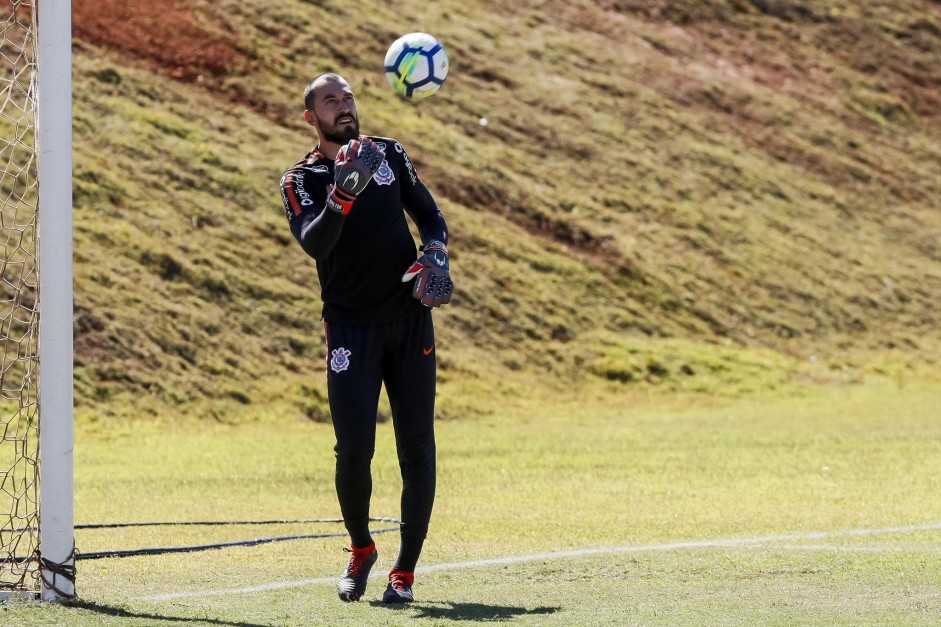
416, 65
340, 359
351, 181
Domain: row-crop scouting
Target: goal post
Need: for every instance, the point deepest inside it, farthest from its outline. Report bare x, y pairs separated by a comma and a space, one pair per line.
56, 518
37, 556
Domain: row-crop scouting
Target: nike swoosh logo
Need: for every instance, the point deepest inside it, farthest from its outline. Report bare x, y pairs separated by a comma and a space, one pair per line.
427, 351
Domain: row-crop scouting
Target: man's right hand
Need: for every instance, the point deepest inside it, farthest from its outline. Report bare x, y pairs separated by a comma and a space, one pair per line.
354, 166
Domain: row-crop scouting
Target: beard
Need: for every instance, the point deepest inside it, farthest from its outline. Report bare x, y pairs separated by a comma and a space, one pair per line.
339, 134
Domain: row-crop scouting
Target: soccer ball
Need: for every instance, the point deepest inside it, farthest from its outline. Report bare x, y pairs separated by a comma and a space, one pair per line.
416, 65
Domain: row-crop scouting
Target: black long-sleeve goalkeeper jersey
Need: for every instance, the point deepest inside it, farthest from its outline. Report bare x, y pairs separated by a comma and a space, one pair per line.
361, 256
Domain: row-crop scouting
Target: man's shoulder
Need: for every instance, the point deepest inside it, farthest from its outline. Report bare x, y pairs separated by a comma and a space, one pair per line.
312, 162
388, 143
396, 156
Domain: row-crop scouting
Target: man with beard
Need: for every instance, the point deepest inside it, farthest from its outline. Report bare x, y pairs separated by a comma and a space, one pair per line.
346, 202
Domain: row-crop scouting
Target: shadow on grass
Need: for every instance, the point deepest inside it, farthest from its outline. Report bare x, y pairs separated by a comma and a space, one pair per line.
468, 611
155, 619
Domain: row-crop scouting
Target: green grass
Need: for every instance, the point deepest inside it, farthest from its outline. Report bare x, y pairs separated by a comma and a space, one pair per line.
728, 176
585, 473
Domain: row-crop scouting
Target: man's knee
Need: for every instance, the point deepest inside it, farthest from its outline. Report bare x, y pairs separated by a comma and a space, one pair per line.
417, 458
353, 457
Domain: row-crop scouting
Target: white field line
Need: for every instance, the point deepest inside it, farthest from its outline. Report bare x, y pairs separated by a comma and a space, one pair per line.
850, 548
536, 557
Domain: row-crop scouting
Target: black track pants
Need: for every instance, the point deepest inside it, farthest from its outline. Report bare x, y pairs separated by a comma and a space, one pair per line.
359, 359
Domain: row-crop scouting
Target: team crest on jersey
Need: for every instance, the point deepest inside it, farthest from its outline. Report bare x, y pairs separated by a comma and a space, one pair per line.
340, 359
384, 175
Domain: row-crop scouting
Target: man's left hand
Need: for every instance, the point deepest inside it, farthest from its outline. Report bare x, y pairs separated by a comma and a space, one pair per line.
433, 285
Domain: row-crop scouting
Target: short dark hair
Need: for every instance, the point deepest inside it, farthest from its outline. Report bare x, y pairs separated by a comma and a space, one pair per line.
327, 77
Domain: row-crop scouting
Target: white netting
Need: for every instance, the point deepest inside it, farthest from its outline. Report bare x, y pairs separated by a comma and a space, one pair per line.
19, 316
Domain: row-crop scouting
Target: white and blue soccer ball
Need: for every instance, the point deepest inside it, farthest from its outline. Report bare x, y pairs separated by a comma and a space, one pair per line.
416, 65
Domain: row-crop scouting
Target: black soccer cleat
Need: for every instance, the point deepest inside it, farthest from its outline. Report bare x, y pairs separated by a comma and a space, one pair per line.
399, 589
352, 584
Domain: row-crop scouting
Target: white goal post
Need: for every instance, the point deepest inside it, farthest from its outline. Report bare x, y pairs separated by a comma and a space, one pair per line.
56, 520
37, 548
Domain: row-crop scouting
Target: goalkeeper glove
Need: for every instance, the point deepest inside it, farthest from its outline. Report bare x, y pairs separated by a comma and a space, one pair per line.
355, 164
433, 285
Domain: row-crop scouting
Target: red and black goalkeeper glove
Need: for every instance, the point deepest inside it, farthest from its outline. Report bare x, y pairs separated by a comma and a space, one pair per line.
433, 285
355, 164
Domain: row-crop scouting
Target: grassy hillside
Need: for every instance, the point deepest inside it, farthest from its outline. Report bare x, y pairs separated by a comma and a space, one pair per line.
719, 196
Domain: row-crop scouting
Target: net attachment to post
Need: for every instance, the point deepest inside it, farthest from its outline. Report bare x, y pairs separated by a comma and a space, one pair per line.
59, 578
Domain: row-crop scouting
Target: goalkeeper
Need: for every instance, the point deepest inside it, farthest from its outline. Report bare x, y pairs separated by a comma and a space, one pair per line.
346, 202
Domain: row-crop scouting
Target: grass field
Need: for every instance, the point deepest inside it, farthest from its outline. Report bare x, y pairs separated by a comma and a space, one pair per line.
718, 220
820, 507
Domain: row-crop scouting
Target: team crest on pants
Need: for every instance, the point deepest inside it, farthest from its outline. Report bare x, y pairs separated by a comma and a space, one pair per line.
340, 360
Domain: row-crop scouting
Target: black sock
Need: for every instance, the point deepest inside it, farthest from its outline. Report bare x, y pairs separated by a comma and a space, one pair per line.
409, 552
359, 533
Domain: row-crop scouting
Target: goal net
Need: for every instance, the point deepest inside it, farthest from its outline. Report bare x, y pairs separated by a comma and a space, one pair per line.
19, 314
29, 563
